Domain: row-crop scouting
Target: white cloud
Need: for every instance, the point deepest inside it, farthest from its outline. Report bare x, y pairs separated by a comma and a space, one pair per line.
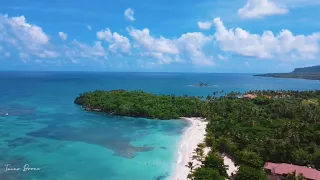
63, 36
170, 50
27, 39
89, 28
284, 45
128, 13
47, 54
82, 50
144, 39
204, 25
163, 58
193, 43
261, 8
30, 43
161, 48
115, 40
26, 32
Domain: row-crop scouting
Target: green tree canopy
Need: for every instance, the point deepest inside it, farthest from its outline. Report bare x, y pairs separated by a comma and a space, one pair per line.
207, 174
250, 173
141, 104
250, 159
214, 161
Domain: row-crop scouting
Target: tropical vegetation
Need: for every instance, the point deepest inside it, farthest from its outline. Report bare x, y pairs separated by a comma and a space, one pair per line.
141, 104
276, 126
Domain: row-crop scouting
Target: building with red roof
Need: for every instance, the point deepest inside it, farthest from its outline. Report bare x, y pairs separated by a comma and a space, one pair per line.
249, 96
276, 170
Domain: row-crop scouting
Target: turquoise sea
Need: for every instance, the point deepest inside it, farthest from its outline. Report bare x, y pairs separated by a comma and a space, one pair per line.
46, 130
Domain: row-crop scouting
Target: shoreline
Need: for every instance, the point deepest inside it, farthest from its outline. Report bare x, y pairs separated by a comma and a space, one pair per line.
192, 136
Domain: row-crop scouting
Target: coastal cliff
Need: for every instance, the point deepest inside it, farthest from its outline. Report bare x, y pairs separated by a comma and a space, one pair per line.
311, 73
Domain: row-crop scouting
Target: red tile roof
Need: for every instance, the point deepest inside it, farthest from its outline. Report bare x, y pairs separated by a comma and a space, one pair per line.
283, 168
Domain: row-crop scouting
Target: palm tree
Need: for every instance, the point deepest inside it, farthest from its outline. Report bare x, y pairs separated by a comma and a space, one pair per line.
190, 166
294, 176
199, 153
190, 176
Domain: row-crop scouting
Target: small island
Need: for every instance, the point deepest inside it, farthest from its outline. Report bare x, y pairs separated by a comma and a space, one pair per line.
141, 104
202, 84
311, 73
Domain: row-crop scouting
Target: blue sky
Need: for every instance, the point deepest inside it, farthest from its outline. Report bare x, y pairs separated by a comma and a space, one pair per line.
246, 36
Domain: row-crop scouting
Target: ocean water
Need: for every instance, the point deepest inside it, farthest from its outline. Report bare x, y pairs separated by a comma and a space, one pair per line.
44, 129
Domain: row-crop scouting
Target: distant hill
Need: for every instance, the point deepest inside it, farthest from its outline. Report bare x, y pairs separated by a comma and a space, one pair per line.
312, 73
311, 69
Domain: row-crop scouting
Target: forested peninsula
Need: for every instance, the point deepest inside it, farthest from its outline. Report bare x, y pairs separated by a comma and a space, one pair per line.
141, 104
311, 73
261, 126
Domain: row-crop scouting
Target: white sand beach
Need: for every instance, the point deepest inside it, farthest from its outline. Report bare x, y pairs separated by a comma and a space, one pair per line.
194, 135
232, 168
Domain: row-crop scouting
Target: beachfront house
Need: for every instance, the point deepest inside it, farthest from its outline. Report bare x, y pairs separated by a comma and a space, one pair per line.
276, 171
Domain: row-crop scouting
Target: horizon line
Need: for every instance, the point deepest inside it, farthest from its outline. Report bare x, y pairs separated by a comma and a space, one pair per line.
182, 72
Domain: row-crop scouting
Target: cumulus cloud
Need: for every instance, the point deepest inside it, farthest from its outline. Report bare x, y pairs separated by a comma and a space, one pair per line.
170, 50
29, 42
95, 50
144, 39
267, 45
260, 8
160, 48
193, 43
63, 35
81, 50
129, 14
204, 25
27, 39
115, 40
26, 32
